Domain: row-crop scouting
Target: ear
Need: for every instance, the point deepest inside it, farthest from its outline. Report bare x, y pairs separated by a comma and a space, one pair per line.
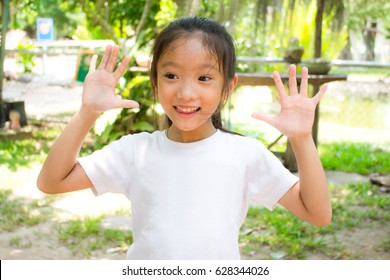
232, 85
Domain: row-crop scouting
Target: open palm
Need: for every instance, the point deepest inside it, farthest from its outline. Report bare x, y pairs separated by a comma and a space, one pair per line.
99, 86
297, 111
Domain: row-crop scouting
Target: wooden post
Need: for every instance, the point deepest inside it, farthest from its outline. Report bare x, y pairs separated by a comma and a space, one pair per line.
318, 30
289, 159
316, 89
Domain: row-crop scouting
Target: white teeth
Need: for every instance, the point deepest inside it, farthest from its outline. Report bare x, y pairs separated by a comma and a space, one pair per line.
187, 109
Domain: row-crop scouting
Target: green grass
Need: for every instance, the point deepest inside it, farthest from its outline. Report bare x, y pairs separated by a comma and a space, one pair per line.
385, 245
25, 153
16, 211
19, 242
280, 231
356, 157
21, 153
362, 158
87, 235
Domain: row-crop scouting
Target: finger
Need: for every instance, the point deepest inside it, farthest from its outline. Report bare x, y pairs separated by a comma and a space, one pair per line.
304, 81
279, 85
92, 65
263, 117
292, 79
111, 63
106, 55
121, 68
316, 99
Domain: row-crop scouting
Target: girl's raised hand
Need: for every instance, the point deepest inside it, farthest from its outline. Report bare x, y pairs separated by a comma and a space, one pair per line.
297, 111
99, 86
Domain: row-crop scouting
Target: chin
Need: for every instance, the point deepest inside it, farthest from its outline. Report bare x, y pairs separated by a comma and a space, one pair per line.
186, 127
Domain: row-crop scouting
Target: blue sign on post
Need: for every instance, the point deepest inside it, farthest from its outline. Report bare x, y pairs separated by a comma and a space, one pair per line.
45, 29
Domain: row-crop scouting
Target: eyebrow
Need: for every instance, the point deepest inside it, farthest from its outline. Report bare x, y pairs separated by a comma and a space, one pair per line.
202, 66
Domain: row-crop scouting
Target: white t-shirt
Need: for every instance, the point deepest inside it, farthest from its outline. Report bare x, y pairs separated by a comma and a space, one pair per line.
188, 200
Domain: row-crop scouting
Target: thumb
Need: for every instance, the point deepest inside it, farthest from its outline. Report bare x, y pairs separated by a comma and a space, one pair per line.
263, 117
320, 94
125, 103
92, 65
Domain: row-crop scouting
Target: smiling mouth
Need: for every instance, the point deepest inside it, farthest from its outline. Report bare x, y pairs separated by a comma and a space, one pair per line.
186, 110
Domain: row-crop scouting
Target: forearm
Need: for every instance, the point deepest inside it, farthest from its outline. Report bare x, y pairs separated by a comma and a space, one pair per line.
62, 158
313, 184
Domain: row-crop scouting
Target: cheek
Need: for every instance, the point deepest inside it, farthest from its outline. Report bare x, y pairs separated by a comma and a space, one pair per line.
165, 99
161, 92
211, 104
216, 96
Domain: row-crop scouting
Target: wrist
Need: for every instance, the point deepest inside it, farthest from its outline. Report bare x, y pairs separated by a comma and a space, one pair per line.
301, 141
88, 114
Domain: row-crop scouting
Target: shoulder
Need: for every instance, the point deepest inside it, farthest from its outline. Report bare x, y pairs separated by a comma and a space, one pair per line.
251, 148
129, 144
242, 142
141, 137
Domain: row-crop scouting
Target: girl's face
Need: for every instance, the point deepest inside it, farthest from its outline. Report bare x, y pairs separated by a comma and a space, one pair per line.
189, 87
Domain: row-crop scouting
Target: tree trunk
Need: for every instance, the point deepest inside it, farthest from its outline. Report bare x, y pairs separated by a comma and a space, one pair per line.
258, 21
234, 8
187, 7
345, 53
318, 32
138, 29
144, 16
4, 28
194, 8
369, 35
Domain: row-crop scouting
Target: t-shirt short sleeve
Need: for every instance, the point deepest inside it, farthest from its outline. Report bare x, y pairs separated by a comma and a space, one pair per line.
109, 169
268, 179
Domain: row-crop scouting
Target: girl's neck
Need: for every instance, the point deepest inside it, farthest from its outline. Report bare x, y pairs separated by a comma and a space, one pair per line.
203, 132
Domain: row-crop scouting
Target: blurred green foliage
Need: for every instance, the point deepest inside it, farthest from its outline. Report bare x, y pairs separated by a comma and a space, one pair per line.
27, 60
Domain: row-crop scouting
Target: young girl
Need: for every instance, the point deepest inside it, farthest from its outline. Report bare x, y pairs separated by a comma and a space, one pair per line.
190, 185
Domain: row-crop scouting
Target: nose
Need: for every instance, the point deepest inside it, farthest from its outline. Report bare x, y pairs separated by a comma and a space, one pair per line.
187, 91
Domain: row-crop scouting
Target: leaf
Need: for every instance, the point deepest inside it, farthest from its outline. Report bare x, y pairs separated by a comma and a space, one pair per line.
143, 126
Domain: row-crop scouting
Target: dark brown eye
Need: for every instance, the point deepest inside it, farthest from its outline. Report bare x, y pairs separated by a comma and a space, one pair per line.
170, 76
204, 78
